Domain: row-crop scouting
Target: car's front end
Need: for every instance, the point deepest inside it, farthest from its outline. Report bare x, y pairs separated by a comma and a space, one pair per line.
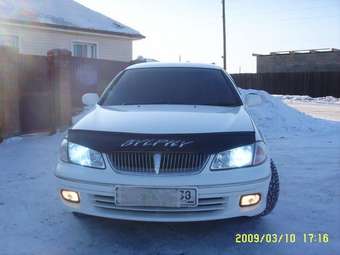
163, 162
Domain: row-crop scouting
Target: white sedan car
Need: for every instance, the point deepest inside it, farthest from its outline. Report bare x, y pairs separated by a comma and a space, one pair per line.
167, 142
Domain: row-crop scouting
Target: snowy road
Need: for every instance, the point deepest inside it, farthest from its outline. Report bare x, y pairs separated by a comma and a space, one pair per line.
32, 220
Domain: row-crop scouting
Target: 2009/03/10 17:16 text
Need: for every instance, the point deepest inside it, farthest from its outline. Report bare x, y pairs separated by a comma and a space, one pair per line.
282, 238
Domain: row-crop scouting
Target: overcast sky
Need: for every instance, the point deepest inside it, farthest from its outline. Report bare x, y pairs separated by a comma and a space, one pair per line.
193, 28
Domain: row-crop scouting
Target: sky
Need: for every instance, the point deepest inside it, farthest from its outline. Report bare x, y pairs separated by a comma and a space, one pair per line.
191, 30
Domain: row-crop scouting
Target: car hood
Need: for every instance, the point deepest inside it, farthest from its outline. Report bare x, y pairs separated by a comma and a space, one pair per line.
166, 119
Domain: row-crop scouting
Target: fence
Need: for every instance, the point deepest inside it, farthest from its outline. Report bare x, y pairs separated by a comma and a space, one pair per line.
40, 93
35, 92
314, 84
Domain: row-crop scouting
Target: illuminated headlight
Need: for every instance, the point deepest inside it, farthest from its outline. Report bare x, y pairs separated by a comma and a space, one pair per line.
248, 155
81, 155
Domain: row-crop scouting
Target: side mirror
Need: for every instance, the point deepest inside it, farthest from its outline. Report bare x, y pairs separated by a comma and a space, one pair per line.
90, 99
253, 99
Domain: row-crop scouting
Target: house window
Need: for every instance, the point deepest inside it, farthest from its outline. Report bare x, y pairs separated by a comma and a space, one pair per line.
9, 40
85, 50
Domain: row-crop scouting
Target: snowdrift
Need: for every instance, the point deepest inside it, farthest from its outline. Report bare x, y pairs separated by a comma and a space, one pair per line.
276, 119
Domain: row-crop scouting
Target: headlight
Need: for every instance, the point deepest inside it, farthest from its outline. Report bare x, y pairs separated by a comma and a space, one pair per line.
248, 155
81, 155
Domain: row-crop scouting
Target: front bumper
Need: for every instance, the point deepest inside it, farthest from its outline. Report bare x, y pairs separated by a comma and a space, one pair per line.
218, 193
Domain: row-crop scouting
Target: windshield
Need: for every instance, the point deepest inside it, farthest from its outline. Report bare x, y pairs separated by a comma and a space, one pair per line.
189, 86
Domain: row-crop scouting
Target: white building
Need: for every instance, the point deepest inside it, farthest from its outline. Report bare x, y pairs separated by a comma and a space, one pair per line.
35, 27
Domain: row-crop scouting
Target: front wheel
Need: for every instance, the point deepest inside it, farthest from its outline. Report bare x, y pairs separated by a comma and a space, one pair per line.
273, 190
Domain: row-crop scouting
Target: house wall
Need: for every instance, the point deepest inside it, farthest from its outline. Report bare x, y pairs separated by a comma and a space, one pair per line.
303, 62
37, 41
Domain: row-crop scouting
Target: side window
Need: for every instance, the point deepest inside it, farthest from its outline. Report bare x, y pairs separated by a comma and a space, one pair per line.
9, 40
85, 50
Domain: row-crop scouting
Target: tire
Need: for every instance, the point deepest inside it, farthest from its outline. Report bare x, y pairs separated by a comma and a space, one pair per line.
273, 190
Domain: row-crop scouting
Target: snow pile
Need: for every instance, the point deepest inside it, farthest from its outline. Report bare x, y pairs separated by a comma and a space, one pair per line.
12, 140
322, 100
276, 119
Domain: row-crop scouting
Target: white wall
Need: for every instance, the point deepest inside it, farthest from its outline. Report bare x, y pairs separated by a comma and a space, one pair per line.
37, 41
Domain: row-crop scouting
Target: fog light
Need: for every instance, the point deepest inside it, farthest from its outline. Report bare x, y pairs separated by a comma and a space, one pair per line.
70, 196
250, 199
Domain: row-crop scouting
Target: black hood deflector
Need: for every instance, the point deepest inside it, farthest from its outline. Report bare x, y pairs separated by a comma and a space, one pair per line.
104, 141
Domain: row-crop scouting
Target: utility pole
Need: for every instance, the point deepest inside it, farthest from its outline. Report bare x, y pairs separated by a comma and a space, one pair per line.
224, 37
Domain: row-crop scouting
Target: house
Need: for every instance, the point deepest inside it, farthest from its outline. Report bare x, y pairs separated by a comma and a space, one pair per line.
314, 60
34, 27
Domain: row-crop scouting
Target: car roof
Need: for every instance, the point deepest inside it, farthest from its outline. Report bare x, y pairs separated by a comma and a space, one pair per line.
181, 65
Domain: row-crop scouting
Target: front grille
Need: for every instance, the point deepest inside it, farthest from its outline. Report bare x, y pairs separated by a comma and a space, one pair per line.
206, 204
168, 162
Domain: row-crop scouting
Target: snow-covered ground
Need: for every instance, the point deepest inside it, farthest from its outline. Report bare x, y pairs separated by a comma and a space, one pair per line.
319, 107
320, 100
306, 151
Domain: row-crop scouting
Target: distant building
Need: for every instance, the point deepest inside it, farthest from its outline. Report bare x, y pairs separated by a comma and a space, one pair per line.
34, 27
315, 60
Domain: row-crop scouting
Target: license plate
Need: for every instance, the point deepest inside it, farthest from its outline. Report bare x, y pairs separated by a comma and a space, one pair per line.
156, 197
